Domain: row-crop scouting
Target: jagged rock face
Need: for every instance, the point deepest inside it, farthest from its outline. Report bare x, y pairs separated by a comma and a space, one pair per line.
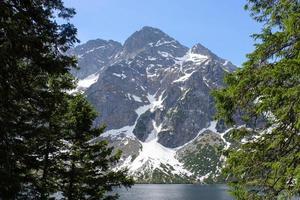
152, 89
149, 41
94, 55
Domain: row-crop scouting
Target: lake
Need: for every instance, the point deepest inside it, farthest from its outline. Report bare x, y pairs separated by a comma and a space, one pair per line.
175, 192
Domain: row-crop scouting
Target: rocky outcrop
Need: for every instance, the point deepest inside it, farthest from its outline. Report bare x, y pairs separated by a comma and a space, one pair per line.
153, 92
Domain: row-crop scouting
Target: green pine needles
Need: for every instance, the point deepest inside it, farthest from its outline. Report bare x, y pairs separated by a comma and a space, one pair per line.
46, 134
266, 165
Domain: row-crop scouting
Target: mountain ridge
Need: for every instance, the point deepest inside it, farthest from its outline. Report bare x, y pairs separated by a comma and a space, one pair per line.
154, 95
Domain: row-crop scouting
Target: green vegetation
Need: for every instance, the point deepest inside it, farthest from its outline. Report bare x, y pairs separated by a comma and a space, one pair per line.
267, 166
161, 176
80, 177
206, 159
203, 157
46, 132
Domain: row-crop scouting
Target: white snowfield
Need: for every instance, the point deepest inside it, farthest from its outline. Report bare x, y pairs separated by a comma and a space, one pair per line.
85, 83
152, 154
183, 78
88, 81
197, 59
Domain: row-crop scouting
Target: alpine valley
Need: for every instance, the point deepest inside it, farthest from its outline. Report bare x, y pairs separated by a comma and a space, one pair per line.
153, 94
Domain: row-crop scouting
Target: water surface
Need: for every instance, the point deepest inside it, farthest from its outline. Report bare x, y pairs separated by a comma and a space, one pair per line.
175, 192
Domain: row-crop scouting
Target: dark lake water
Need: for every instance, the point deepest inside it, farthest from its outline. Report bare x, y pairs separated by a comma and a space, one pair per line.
175, 192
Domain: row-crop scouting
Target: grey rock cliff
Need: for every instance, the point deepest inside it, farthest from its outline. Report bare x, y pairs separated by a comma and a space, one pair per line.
152, 88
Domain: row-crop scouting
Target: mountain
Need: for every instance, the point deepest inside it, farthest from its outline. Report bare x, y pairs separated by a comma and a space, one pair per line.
153, 93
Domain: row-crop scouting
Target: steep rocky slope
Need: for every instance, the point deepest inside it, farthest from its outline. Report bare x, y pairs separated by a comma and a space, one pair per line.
153, 93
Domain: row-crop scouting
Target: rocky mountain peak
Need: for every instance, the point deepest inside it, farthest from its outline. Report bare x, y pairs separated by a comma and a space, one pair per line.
93, 55
202, 50
94, 45
154, 95
146, 38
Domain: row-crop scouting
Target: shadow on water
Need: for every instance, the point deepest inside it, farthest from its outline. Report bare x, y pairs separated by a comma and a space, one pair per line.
174, 192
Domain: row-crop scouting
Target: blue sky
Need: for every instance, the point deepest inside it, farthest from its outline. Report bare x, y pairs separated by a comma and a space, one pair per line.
223, 26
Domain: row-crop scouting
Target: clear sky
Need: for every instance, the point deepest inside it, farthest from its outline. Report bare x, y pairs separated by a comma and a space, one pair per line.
223, 26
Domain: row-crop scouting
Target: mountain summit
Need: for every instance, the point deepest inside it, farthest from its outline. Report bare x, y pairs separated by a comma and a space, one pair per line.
144, 38
153, 93
200, 49
149, 38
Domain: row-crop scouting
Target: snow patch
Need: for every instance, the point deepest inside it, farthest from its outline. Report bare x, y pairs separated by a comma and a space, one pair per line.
185, 77
202, 178
196, 58
136, 98
153, 155
213, 126
156, 103
184, 94
156, 155
155, 131
162, 42
122, 76
225, 62
85, 83
151, 58
227, 144
143, 88
89, 51
151, 75
205, 82
192, 57
128, 130
165, 54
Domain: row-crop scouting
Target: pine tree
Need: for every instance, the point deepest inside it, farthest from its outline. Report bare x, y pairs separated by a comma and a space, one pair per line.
36, 130
267, 166
31, 46
88, 162
48, 145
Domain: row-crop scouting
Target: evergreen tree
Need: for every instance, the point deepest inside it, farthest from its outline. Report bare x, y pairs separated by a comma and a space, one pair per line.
87, 164
34, 77
49, 143
267, 166
31, 46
